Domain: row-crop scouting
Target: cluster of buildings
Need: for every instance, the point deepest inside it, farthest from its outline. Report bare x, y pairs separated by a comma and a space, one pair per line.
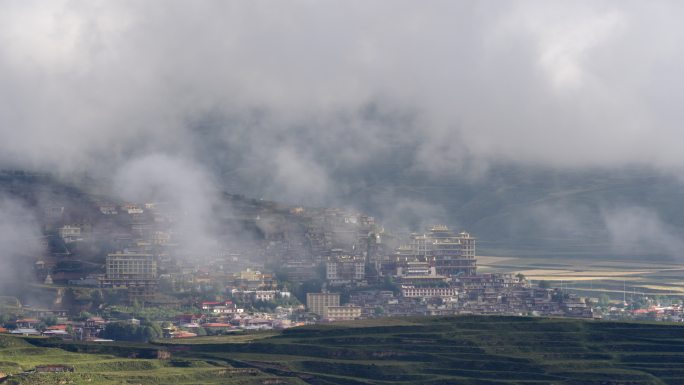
327, 306
673, 312
434, 273
300, 265
64, 327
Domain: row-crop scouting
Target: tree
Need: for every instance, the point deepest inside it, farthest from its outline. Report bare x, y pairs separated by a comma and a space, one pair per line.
604, 300
149, 333
155, 329
389, 284
120, 331
84, 315
50, 321
127, 332
97, 298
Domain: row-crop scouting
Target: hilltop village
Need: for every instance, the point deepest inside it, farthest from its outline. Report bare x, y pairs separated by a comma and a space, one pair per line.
118, 271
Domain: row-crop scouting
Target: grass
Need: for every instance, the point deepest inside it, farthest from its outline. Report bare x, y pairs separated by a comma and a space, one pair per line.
18, 355
225, 339
436, 350
468, 350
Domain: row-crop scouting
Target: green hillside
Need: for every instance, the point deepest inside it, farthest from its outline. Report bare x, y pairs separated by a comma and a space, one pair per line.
448, 350
18, 358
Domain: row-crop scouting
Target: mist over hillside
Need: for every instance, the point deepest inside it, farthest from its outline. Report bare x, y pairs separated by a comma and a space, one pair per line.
544, 128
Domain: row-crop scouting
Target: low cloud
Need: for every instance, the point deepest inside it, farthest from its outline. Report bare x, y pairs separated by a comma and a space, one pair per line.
322, 103
20, 244
639, 230
566, 84
184, 190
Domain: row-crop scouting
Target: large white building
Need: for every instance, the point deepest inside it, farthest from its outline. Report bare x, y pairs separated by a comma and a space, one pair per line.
135, 271
429, 292
449, 253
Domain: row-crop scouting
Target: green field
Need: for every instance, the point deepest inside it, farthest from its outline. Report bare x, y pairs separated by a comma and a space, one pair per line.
444, 350
18, 355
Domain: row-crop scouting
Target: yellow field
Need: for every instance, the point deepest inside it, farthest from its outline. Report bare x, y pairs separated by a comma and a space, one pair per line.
227, 339
586, 274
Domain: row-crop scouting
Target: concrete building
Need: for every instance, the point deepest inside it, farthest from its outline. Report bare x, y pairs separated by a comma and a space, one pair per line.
429, 292
342, 313
449, 253
318, 302
135, 271
70, 233
415, 268
344, 270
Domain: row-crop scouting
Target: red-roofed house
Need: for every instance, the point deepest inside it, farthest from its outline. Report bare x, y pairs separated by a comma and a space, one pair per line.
27, 323
95, 322
189, 318
182, 334
217, 325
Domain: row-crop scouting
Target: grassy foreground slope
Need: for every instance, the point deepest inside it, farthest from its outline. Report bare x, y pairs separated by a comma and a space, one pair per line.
18, 357
468, 350
439, 350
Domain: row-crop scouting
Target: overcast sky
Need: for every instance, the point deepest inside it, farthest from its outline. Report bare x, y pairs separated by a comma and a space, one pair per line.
295, 92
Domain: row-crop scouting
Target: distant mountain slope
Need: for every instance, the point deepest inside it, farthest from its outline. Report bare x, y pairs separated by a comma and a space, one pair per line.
542, 212
511, 210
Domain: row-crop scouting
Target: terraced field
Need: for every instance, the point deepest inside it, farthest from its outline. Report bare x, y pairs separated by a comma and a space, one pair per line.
443, 350
468, 350
18, 357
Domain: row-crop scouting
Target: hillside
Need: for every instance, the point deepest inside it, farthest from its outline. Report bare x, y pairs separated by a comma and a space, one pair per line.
513, 211
536, 211
455, 350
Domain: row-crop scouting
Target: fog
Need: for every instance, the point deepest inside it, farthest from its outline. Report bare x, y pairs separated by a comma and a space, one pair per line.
20, 240
321, 102
182, 187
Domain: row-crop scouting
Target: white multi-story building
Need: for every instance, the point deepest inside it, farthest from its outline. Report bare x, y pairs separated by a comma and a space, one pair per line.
70, 233
429, 292
135, 271
449, 253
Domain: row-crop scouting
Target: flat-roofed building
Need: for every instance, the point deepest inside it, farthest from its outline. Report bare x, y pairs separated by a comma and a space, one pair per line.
342, 313
135, 271
318, 302
450, 254
345, 269
429, 292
